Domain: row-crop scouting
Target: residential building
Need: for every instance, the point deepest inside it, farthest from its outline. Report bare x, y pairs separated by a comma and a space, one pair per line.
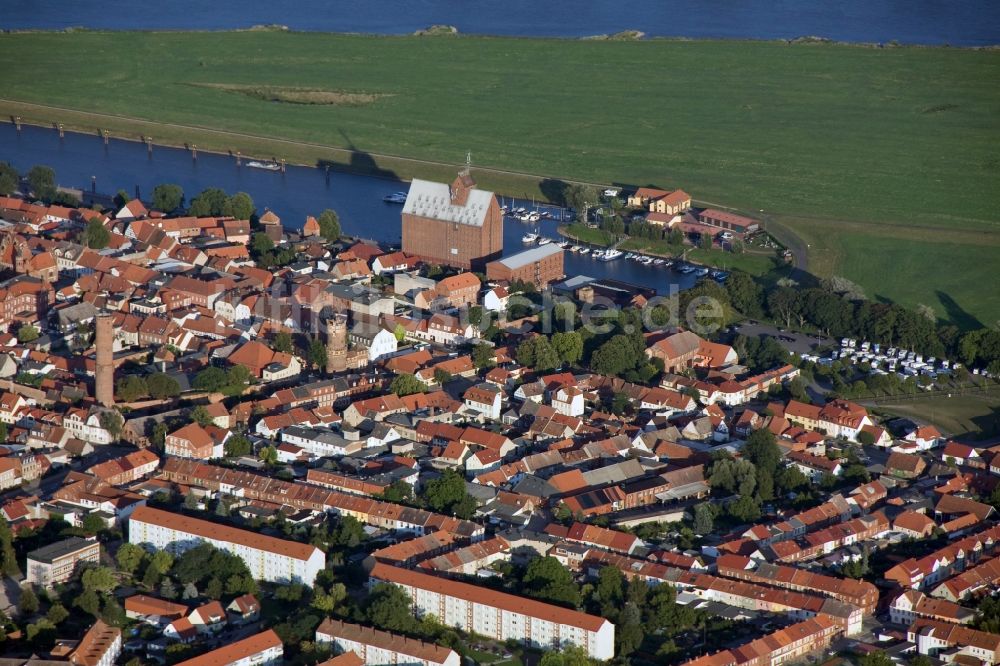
954, 641
100, 646
499, 615
263, 649
267, 558
383, 647
58, 562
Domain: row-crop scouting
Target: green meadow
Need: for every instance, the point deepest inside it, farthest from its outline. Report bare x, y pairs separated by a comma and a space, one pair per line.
901, 143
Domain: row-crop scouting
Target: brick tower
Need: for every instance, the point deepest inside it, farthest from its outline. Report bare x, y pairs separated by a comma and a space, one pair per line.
104, 375
336, 343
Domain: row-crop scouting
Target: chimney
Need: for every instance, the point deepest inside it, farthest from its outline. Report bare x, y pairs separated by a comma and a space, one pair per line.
104, 373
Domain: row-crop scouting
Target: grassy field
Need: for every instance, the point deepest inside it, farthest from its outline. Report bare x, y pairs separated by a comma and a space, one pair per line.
974, 415
904, 141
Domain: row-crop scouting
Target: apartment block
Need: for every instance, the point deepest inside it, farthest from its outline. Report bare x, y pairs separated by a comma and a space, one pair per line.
382, 647
499, 615
263, 649
268, 558
57, 562
100, 646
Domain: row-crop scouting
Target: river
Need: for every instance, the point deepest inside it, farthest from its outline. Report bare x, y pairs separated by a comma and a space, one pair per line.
82, 160
955, 22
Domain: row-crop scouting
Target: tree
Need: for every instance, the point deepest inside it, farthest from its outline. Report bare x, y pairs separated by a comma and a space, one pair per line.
406, 384
441, 376
162, 386
744, 509
482, 356
538, 353
399, 333
447, 491
240, 206
129, 557
282, 342
569, 346
92, 524
704, 518
210, 379
95, 235
865, 438
629, 632
208, 202
609, 590
27, 333
329, 224
398, 492
98, 579
762, 450
27, 605
389, 608
475, 315
201, 416
167, 197
112, 421
42, 182
705, 242
546, 578
571, 655
260, 244
745, 294
161, 562
8, 556
317, 353
167, 589
268, 455
57, 613
615, 356
89, 602
131, 388
875, 658
237, 446
214, 589
9, 179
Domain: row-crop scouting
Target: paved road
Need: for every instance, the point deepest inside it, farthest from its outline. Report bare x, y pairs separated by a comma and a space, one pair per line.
798, 343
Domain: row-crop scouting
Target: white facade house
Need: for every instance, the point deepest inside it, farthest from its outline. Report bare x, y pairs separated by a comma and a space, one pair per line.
502, 616
267, 558
568, 400
321, 442
263, 649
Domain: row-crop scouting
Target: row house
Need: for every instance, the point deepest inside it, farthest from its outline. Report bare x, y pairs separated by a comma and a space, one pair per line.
953, 642
381, 647
469, 560
856, 592
837, 418
781, 646
944, 562
910, 605
126, 469
981, 578
830, 539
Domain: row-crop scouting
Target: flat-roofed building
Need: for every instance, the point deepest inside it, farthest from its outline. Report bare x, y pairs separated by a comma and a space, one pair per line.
501, 616
538, 265
267, 558
57, 562
383, 647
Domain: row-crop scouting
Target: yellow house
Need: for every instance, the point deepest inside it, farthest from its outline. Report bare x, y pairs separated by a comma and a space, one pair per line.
660, 201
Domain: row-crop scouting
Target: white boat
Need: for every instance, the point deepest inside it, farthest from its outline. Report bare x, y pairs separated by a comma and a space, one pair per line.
267, 166
667, 263
701, 272
564, 245
647, 261
658, 262
529, 238
544, 241
395, 198
630, 256
686, 269
611, 254
597, 254
576, 248
534, 217
584, 250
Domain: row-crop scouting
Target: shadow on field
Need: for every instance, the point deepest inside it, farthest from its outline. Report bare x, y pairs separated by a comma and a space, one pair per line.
956, 314
358, 162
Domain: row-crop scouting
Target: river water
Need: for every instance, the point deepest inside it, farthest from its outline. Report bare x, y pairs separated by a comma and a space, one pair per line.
82, 160
956, 22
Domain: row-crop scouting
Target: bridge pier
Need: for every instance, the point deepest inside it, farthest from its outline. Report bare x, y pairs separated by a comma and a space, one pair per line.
17, 123
282, 166
62, 134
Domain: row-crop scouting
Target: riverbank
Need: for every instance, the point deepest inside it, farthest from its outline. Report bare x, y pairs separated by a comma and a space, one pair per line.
802, 131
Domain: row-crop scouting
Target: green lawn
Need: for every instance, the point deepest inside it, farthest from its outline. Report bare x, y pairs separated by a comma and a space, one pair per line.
952, 271
584, 234
899, 136
755, 264
973, 415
